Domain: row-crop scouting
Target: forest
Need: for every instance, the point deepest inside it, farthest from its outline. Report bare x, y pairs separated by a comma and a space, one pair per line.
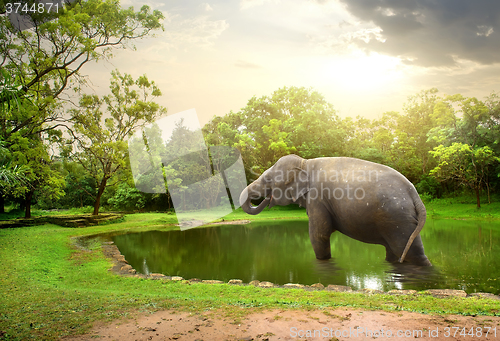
57, 153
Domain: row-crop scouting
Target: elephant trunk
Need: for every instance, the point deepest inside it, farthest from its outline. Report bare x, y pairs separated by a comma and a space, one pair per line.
246, 204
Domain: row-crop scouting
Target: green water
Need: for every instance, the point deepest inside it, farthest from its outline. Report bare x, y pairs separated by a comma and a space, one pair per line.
465, 255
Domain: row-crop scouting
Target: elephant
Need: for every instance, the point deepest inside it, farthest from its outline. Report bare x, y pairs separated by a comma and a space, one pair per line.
363, 200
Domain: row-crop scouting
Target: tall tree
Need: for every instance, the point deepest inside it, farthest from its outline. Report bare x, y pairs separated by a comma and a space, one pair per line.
459, 162
291, 120
416, 123
103, 125
49, 57
26, 163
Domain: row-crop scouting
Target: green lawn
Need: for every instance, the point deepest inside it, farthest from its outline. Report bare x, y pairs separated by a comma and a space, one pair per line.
52, 288
462, 208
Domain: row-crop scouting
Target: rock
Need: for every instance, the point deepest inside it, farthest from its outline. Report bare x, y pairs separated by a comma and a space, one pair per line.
401, 292
176, 278
293, 285
266, 285
317, 286
484, 295
212, 281
446, 293
338, 288
370, 291
195, 280
157, 276
126, 267
235, 281
255, 282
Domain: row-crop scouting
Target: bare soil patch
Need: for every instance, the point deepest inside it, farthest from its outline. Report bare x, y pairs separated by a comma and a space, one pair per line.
329, 324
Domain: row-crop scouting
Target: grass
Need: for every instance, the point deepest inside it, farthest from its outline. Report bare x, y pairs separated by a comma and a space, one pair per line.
462, 208
51, 288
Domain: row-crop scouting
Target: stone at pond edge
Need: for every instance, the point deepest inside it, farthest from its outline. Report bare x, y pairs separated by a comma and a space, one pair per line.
126, 267
157, 276
485, 295
255, 282
338, 288
446, 293
212, 281
401, 292
177, 278
293, 285
317, 286
235, 281
266, 285
370, 291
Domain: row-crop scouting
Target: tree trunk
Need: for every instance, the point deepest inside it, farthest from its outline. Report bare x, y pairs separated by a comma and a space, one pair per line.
2, 203
100, 191
476, 188
488, 191
27, 209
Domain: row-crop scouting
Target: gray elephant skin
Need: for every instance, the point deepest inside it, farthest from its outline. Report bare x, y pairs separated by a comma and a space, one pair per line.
366, 201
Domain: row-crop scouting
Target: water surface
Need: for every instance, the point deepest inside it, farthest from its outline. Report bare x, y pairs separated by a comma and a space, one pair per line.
465, 255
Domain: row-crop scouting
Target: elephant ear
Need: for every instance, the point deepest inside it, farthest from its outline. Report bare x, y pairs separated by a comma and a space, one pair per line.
298, 181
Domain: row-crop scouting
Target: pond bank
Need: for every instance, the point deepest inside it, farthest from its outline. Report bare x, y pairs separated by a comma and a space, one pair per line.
123, 268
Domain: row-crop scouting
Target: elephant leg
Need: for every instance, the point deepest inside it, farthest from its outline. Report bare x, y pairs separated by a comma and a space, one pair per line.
320, 229
415, 254
390, 256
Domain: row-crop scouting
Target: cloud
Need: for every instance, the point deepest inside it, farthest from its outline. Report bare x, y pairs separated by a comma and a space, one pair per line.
206, 7
246, 65
431, 33
199, 30
246, 4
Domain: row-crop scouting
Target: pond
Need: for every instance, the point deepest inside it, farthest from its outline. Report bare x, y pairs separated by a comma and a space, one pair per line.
465, 255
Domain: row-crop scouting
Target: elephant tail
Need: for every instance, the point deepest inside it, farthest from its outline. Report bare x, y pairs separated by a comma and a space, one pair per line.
421, 217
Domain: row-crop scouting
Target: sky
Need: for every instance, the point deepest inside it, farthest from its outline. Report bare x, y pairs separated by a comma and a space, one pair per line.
365, 57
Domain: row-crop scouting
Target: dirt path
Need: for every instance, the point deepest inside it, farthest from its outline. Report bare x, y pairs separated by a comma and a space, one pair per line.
337, 324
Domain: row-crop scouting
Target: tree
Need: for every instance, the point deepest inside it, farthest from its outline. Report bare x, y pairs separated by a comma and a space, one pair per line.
11, 175
459, 162
44, 61
48, 58
101, 139
26, 163
469, 121
291, 120
416, 123
127, 198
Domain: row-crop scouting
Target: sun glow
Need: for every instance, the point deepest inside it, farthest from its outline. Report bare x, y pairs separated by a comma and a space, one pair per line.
361, 72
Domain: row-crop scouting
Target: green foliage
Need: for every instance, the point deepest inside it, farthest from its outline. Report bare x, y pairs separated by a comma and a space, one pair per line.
127, 199
300, 121
291, 120
38, 65
49, 59
459, 162
103, 125
429, 186
80, 190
